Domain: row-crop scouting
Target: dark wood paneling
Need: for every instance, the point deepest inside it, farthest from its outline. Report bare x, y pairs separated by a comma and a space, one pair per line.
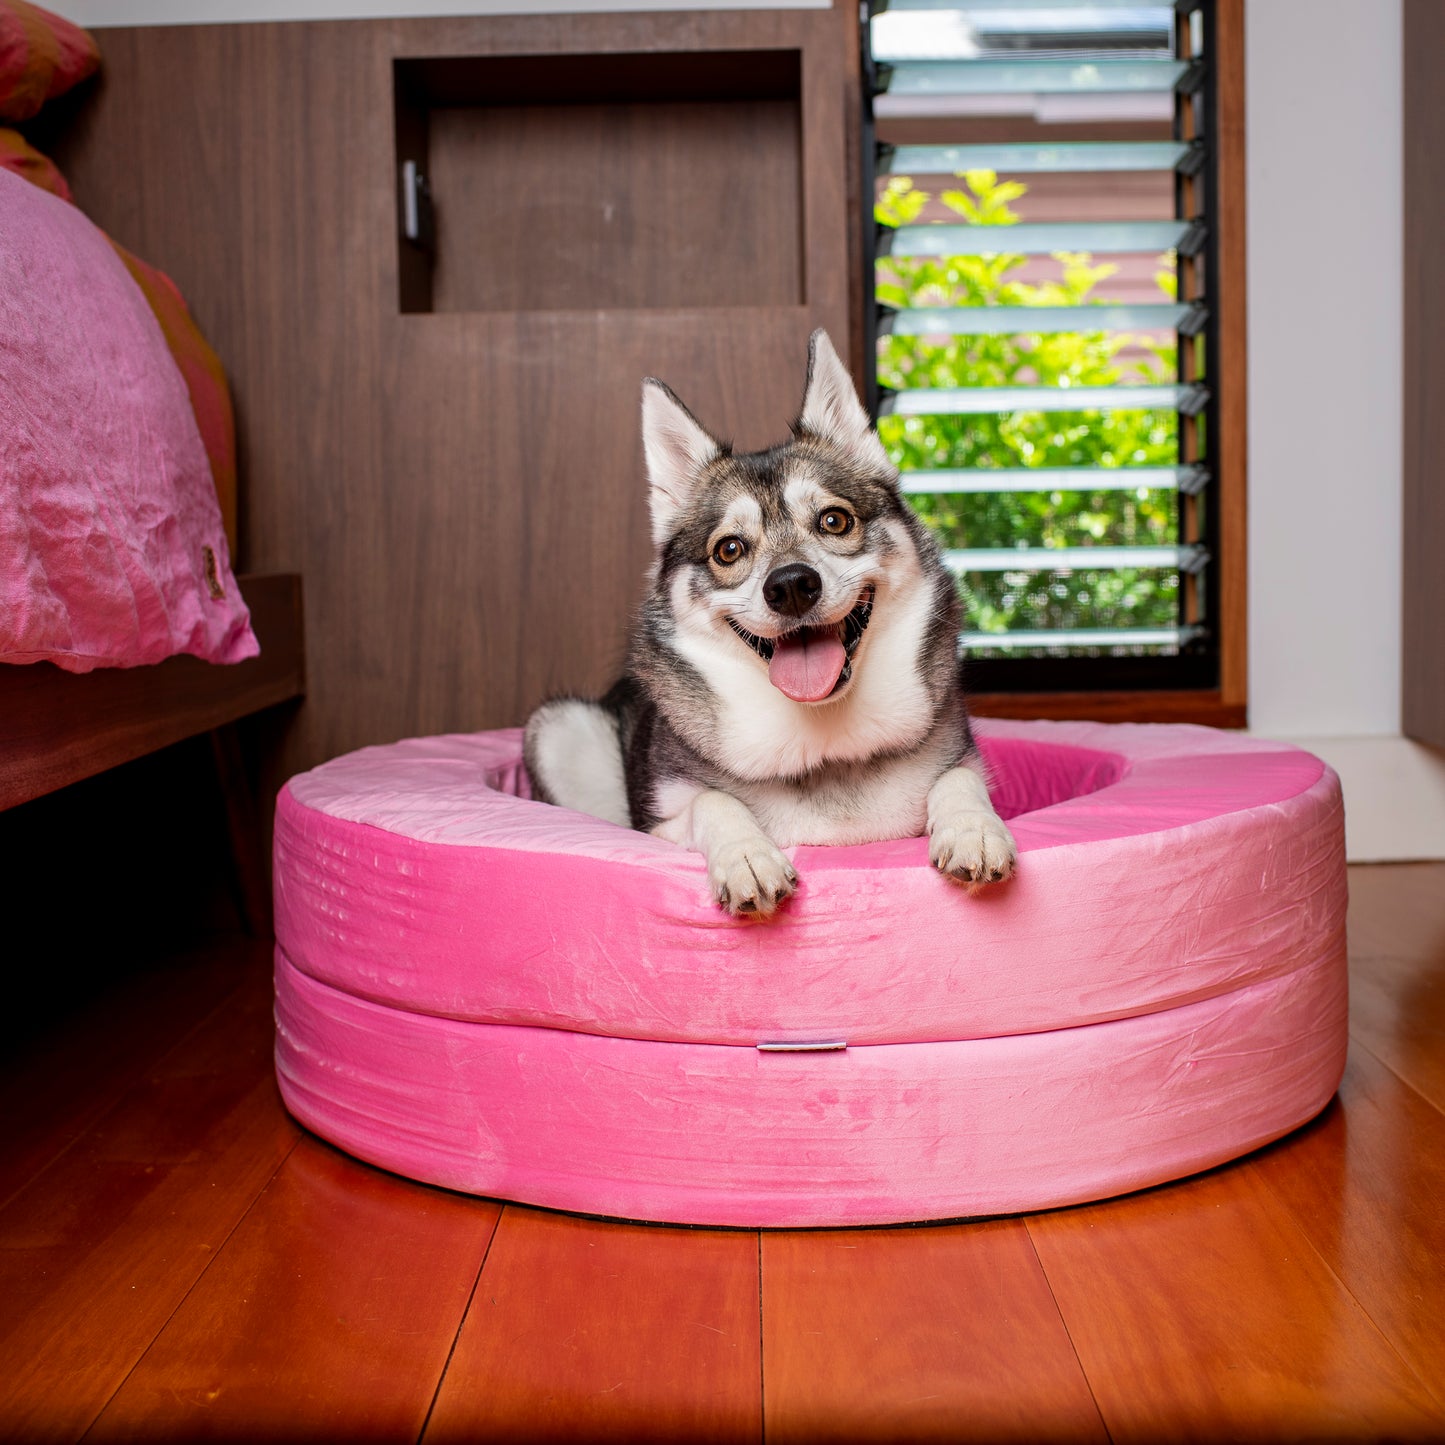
462, 492
658, 204
1208, 708
859, 209
1423, 651
1233, 378
57, 727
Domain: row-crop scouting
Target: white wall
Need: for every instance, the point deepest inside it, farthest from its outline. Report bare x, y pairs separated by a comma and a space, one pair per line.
1324, 138
1324, 257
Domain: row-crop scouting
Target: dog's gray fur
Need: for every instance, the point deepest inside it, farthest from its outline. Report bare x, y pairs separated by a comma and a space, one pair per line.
697, 745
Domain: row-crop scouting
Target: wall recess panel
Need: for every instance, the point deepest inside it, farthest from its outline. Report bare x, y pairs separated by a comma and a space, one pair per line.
449, 451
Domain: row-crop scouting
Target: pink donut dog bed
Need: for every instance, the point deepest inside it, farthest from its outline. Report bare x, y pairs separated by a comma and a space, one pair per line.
499, 996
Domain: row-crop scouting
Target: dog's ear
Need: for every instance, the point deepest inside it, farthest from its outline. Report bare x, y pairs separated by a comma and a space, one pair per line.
677, 448
832, 411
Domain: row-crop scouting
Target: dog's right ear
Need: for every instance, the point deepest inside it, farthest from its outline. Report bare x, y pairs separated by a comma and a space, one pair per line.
677, 448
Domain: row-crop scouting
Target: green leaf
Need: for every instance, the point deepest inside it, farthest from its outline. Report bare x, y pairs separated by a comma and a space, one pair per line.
900, 202
962, 204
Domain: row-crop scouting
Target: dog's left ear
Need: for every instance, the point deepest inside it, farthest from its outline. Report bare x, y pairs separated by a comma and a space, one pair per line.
832, 411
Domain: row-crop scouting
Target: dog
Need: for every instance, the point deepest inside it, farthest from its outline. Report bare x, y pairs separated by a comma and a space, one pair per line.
793, 675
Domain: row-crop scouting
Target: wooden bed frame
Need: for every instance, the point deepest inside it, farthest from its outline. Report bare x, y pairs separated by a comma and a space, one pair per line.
58, 727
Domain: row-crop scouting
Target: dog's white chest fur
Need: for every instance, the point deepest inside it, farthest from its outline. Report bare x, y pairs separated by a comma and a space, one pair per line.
766, 740
886, 799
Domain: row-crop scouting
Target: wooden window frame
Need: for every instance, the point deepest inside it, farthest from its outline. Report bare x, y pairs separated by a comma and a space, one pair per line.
1422, 656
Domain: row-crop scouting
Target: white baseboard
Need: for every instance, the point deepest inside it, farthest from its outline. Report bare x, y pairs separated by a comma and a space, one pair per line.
1394, 796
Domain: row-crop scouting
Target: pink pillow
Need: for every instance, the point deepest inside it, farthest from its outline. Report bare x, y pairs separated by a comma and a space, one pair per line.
112, 550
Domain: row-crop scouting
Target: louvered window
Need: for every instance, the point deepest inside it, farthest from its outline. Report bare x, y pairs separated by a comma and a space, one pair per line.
1043, 272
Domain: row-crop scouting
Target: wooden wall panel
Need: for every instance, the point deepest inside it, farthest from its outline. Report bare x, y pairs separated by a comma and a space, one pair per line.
660, 204
1423, 653
462, 491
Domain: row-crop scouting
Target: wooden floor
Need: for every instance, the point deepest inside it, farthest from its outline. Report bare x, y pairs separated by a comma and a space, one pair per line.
179, 1260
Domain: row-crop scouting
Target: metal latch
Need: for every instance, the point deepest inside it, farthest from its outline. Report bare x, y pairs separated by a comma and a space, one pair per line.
418, 218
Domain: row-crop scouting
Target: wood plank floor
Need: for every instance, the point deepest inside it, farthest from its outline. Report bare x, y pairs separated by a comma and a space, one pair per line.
178, 1260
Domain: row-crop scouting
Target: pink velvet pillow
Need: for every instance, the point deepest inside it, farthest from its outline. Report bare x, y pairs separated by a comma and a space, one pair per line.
112, 550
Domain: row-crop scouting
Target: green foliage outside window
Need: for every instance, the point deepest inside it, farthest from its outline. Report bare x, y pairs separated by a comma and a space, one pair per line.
998, 602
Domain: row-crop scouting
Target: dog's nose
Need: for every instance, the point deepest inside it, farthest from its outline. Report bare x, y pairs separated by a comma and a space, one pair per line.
792, 590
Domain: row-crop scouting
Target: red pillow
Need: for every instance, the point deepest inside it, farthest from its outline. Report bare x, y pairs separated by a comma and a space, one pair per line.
41, 56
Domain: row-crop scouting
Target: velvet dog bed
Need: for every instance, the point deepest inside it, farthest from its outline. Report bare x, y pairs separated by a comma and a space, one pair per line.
488, 993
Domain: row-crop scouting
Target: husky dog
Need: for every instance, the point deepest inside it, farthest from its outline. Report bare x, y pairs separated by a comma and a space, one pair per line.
793, 674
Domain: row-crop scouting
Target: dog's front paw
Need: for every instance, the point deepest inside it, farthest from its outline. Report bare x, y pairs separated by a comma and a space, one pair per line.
751, 877
973, 848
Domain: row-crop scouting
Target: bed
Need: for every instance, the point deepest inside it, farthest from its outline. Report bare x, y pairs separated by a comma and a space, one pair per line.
490, 993
123, 627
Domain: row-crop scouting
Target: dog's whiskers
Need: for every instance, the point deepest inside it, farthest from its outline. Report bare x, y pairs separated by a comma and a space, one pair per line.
763, 646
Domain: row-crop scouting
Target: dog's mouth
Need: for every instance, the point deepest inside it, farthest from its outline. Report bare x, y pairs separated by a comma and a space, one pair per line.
810, 664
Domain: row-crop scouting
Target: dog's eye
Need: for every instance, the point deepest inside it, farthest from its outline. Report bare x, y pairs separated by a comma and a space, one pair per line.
729, 550
835, 522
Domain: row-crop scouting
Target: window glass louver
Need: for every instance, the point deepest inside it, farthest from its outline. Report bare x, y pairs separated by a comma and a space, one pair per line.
1040, 264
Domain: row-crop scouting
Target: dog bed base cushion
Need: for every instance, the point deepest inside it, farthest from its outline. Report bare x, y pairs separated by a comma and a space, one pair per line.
504, 997
708, 1134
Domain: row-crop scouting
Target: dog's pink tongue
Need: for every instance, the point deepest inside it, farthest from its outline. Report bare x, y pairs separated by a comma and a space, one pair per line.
806, 669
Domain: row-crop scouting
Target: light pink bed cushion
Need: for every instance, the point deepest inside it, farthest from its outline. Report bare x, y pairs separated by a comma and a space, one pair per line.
499, 996
112, 550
